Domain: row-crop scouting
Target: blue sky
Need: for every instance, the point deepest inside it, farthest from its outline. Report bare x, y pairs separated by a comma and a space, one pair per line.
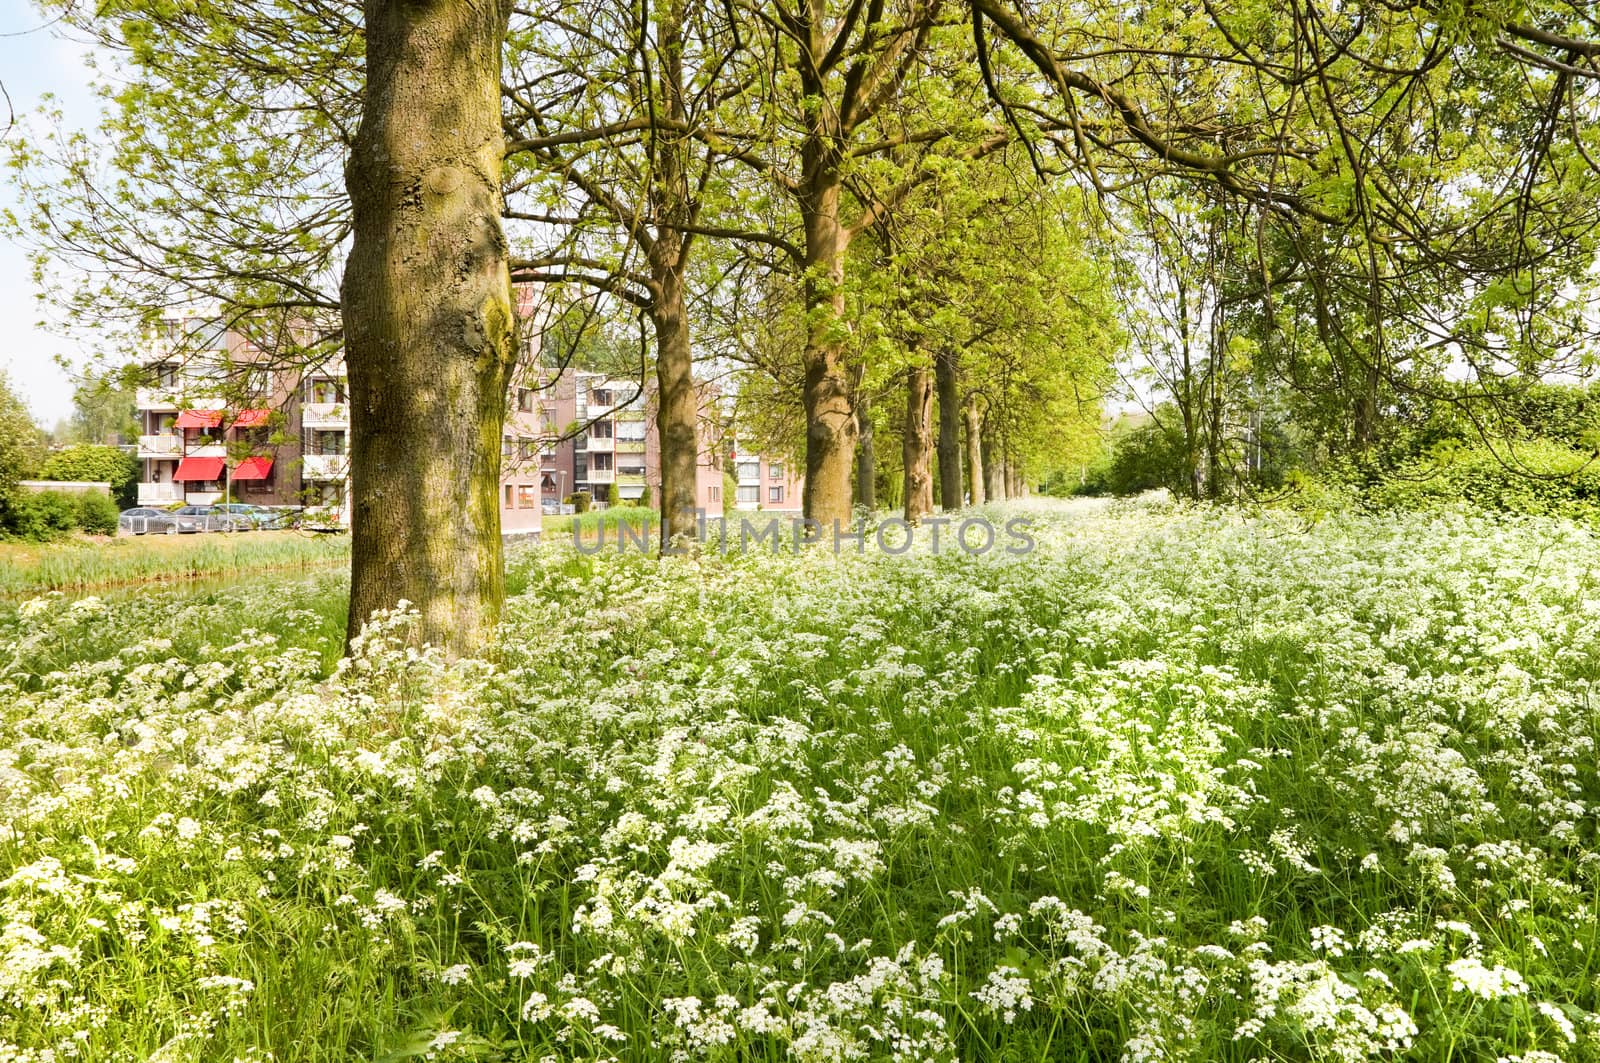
34, 61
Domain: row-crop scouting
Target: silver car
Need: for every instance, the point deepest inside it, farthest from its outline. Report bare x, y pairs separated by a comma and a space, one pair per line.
145, 520
212, 518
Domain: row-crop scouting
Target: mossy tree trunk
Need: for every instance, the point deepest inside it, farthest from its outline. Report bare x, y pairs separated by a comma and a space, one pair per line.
428, 320
866, 459
918, 444
830, 418
974, 418
947, 379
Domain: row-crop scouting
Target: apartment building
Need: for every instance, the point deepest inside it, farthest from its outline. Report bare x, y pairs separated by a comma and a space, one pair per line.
765, 483
221, 423
597, 431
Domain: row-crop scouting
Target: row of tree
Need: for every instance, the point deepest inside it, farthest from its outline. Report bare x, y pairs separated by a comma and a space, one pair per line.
864, 198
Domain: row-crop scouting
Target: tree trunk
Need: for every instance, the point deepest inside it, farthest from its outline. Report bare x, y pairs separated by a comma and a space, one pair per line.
677, 401
992, 465
428, 322
830, 420
974, 450
677, 413
866, 459
947, 378
918, 445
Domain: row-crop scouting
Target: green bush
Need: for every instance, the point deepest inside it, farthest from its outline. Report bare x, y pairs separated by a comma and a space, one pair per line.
1144, 459
96, 463
41, 516
1536, 477
97, 513
644, 497
579, 501
613, 496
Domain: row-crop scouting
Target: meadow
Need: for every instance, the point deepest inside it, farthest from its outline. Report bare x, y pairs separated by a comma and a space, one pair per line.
83, 563
1179, 784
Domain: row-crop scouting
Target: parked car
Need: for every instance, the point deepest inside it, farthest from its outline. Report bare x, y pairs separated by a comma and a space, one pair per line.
143, 520
212, 518
256, 516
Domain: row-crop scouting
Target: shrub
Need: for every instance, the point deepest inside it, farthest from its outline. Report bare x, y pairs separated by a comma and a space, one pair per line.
579, 501
96, 463
644, 497
613, 495
42, 516
1536, 477
97, 513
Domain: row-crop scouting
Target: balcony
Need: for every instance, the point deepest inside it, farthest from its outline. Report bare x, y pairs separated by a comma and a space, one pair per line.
324, 466
601, 446
206, 449
602, 476
160, 446
163, 399
630, 446
630, 479
324, 415
160, 494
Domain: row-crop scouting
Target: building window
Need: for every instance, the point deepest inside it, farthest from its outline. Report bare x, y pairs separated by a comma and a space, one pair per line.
547, 483
525, 448
508, 496
507, 447
630, 431
774, 494
600, 430
527, 496
326, 441
749, 470
775, 470
749, 494
631, 470
524, 400
325, 391
601, 397
715, 493
600, 462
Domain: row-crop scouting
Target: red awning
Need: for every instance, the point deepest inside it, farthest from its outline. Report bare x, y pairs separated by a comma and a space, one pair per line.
199, 469
199, 419
251, 418
252, 469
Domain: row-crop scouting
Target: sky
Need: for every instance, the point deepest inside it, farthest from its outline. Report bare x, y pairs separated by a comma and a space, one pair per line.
34, 61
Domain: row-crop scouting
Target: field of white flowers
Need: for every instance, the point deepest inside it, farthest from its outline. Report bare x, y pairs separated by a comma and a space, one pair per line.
1177, 785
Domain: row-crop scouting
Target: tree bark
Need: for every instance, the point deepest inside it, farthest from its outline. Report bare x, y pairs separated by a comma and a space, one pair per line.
866, 459
918, 445
677, 402
974, 419
677, 413
830, 420
947, 377
428, 321
993, 465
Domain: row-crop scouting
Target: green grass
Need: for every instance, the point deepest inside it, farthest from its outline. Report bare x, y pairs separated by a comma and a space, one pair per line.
83, 564
560, 529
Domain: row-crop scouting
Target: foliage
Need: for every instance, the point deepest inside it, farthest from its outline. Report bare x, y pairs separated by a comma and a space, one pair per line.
1535, 476
613, 495
580, 501
105, 464
1142, 456
644, 497
41, 516
97, 513
1185, 784
21, 443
